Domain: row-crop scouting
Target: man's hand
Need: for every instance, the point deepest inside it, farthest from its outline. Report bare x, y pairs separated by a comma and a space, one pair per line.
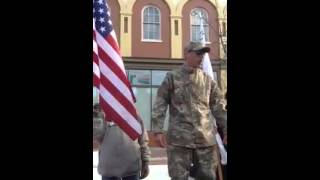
159, 139
144, 170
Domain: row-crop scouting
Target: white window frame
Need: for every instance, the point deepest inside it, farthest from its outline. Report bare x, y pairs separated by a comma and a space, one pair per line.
142, 27
195, 9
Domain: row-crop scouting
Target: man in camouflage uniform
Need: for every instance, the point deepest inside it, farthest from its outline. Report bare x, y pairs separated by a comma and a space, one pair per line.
191, 95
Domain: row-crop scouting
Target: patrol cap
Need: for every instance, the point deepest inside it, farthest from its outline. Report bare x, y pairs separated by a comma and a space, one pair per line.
197, 47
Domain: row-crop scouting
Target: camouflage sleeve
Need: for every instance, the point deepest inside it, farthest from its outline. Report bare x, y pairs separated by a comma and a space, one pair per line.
145, 150
160, 106
217, 105
143, 141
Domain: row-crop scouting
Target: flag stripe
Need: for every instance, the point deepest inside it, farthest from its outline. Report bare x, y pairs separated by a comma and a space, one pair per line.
95, 47
112, 57
121, 98
115, 68
106, 47
96, 69
121, 110
118, 119
113, 43
96, 81
111, 71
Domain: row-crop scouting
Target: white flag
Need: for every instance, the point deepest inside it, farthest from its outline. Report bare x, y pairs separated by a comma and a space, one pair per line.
207, 68
206, 63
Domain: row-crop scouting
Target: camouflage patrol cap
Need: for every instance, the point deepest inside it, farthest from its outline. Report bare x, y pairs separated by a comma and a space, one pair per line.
197, 47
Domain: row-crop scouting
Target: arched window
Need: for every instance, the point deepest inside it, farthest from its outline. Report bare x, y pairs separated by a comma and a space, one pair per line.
151, 23
197, 15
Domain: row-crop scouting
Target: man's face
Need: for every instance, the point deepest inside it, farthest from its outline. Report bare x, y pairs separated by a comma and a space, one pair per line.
193, 58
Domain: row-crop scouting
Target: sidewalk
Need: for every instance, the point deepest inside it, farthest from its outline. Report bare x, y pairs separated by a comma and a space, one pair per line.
158, 165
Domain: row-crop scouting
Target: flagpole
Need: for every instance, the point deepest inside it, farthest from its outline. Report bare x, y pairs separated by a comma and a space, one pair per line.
220, 174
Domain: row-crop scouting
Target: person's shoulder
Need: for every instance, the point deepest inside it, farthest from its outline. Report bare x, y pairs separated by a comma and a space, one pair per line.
173, 73
177, 72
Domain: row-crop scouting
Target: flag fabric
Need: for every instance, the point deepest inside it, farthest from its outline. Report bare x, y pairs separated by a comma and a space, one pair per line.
206, 63
109, 77
207, 68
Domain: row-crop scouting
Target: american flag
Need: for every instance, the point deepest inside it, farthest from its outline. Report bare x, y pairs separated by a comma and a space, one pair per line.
109, 76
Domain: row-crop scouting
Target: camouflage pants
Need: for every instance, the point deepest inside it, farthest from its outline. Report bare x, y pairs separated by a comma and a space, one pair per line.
204, 162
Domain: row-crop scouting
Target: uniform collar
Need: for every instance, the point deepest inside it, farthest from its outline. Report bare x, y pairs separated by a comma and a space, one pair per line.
186, 68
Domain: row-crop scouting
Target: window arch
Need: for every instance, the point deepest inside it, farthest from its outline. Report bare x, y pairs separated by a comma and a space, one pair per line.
151, 26
196, 16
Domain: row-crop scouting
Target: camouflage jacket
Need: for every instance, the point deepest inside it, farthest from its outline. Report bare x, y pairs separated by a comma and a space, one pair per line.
191, 95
